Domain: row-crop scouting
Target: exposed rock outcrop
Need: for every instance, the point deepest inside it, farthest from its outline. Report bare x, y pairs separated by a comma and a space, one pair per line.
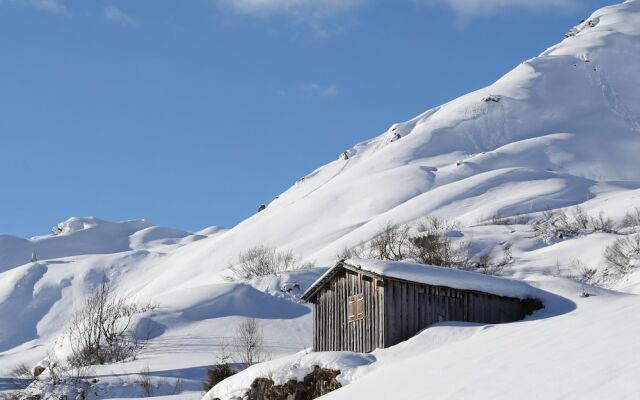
315, 384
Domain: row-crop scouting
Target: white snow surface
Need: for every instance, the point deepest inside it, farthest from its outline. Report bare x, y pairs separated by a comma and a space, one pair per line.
565, 131
295, 367
453, 278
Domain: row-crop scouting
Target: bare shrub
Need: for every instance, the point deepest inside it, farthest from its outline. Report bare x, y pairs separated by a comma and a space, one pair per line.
580, 218
249, 342
499, 219
60, 380
306, 265
100, 331
555, 224
426, 242
601, 223
58, 369
390, 243
486, 264
21, 376
178, 386
584, 274
145, 382
623, 255
220, 371
350, 252
262, 261
22, 371
432, 245
216, 374
560, 224
631, 218
436, 224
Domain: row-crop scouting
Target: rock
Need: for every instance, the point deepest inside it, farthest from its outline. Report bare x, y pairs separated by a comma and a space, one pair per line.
491, 98
315, 384
38, 370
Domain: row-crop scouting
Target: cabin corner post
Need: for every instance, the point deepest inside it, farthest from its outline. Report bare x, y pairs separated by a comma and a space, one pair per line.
315, 326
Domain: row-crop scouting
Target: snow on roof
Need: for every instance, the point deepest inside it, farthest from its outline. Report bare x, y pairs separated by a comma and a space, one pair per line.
436, 276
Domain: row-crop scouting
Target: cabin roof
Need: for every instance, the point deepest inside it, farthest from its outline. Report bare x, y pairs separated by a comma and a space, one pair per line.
429, 275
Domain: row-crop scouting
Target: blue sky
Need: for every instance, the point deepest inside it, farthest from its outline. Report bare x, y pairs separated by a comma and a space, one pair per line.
191, 113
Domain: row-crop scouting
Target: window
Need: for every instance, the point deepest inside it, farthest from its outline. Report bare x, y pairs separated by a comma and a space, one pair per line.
355, 307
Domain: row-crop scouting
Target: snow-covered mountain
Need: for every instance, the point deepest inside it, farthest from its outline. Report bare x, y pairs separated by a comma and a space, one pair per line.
560, 129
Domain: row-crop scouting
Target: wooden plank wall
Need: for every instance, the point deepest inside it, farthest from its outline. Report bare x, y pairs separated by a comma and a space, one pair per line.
411, 307
396, 310
332, 330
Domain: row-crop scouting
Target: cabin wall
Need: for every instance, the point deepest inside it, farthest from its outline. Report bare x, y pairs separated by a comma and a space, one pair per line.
411, 307
333, 331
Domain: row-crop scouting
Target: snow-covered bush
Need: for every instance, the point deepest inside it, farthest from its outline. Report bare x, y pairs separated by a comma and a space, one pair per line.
486, 264
554, 224
426, 242
499, 219
262, 261
101, 331
585, 274
432, 245
430, 241
602, 224
50, 379
631, 219
560, 224
350, 252
390, 243
623, 255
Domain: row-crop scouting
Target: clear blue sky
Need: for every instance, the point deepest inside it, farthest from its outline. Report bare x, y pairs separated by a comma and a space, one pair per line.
191, 113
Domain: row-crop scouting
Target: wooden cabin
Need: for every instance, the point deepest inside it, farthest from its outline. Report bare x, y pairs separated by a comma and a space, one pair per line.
361, 305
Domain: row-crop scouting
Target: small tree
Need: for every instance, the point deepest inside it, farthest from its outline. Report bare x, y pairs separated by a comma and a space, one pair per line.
220, 371
486, 264
262, 261
624, 254
432, 245
391, 243
555, 224
583, 273
100, 330
349, 252
601, 223
631, 218
217, 374
249, 342
581, 218
560, 224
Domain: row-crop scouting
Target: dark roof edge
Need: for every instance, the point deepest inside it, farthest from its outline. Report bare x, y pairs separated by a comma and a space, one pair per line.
342, 264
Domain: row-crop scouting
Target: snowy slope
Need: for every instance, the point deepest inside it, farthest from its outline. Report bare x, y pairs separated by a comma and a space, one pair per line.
586, 354
564, 131
560, 129
557, 355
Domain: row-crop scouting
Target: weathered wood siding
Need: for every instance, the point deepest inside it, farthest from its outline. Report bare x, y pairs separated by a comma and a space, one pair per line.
332, 331
395, 310
411, 307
